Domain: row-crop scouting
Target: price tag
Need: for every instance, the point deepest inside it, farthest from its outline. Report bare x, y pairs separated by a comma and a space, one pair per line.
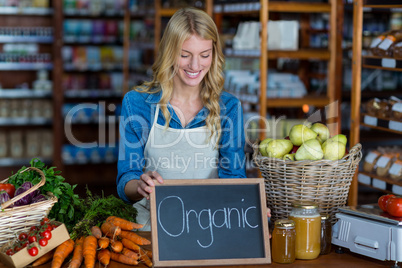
396, 189
388, 63
369, 120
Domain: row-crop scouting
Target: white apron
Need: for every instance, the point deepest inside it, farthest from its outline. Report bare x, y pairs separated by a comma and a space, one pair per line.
177, 154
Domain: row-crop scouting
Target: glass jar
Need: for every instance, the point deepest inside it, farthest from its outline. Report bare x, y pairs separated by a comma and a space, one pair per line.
283, 241
326, 234
308, 229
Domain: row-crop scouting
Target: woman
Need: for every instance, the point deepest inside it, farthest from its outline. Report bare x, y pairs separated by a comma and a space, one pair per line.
180, 125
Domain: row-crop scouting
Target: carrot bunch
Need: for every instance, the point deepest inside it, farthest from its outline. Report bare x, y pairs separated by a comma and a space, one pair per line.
114, 240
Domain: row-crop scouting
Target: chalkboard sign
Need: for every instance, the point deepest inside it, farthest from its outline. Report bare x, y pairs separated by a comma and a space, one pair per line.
209, 222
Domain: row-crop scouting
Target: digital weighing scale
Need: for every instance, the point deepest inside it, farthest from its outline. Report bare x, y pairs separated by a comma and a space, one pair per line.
369, 231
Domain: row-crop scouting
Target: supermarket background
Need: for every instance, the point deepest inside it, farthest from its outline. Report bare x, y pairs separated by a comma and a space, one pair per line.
65, 65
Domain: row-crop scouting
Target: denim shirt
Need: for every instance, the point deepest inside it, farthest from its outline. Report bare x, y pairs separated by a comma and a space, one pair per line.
138, 112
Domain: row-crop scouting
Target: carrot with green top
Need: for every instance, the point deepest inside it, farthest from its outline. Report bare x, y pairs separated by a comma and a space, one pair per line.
123, 223
89, 251
77, 254
139, 240
62, 252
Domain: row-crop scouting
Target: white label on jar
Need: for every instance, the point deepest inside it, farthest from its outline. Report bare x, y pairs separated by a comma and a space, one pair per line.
363, 178
388, 63
398, 44
397, 107
383, 161
385, 44
396, 189
375, 42
395, 169
371, 157
379, 184
369, 120
395, 125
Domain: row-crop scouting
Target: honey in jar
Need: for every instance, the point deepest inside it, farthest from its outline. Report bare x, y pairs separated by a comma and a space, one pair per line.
283, 241
308, 229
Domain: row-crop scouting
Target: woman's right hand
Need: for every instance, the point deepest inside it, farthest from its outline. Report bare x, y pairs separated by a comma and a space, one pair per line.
147, 183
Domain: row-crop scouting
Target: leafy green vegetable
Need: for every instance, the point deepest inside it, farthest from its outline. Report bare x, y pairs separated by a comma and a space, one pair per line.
65, 210
98, 208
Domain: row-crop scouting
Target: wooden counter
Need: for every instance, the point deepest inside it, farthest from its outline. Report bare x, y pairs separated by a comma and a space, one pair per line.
332, 260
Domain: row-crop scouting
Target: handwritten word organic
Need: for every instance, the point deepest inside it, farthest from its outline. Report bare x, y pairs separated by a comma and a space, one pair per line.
190, 220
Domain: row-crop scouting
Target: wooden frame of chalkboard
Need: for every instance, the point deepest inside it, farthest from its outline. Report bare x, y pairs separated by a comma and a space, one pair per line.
209, 222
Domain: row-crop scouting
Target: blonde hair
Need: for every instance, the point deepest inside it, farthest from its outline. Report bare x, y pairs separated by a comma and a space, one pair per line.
182, 25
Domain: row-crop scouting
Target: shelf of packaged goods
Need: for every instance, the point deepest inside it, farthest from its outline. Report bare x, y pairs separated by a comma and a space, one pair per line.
380, 183
24, 93
96, 40
9, 161
88, 13
24, 121
273, 6
167, 12
319, 101
382, 123
17, 66
301, 54
92, 93
148, 44
36, 11
70, 67
384, 63
26, 39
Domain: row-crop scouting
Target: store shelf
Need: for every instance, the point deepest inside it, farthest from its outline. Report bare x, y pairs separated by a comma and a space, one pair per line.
23, 121
98, 40
381, 4
8, 161
301, 54
383, 63
24, 93
11, 66
383, 184
298, 7
70, 67
319, 101
92, 93
87, 13
25, 11
26, 39
381, 123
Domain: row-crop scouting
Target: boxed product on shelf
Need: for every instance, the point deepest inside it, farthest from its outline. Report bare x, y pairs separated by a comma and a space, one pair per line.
283, 35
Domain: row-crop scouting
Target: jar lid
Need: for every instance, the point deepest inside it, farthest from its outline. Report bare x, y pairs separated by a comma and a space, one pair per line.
305, 204
324, 216
284, 223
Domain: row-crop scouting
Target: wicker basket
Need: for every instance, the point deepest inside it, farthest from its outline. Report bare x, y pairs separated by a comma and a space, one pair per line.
325, 182
20, 219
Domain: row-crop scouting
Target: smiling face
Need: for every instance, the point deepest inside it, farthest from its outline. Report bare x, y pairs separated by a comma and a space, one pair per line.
194, 62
